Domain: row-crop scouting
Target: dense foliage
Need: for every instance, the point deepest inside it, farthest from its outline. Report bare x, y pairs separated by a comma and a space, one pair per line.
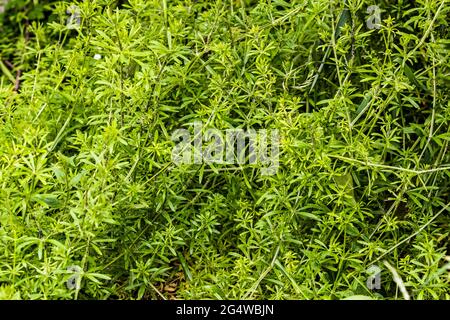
86, 174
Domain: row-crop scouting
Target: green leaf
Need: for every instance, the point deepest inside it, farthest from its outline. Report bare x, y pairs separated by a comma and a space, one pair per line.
47, 199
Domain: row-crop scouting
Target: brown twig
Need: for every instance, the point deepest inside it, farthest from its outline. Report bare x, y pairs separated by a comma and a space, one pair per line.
9, 64
17, 82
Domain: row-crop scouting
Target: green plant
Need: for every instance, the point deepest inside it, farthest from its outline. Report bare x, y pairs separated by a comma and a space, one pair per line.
87, 179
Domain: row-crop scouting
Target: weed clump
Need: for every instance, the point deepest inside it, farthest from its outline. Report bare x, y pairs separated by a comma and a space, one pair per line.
93, 206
